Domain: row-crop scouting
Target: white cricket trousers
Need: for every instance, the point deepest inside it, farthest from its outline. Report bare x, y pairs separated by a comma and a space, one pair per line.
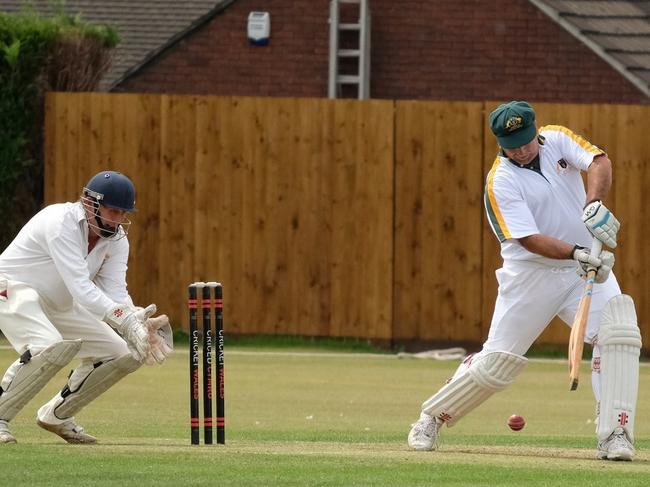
29, 323
531, 295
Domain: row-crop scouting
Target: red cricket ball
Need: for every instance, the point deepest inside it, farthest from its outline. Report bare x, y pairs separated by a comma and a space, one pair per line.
516, 422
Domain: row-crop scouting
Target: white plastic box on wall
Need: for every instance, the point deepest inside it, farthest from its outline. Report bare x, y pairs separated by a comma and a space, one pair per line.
259, 28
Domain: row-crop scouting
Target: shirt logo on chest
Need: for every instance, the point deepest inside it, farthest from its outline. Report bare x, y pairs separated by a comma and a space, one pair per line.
561, 167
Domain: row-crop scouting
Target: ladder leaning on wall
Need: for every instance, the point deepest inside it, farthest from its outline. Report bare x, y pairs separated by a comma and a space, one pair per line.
349, 27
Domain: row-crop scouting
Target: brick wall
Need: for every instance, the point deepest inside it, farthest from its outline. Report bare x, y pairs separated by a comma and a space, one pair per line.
421, 49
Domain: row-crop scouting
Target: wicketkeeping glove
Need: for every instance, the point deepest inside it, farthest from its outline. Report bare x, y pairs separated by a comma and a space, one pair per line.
127, 323
161, 339
601, 222
160, 334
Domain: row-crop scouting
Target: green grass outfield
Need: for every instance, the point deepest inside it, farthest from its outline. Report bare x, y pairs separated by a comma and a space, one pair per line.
301, 417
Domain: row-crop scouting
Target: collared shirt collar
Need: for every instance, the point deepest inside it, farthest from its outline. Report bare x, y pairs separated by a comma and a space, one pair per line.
532, 165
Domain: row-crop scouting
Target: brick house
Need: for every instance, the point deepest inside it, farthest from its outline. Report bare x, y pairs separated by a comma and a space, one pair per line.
542, 50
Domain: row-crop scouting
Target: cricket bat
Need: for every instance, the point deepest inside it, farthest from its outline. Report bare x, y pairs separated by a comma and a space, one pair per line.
577, 337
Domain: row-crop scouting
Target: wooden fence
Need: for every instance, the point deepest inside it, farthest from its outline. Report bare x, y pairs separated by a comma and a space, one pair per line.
325, 218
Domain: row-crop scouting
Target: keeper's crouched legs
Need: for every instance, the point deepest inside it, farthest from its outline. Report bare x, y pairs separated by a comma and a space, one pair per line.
27, 376
476, 379
85, 384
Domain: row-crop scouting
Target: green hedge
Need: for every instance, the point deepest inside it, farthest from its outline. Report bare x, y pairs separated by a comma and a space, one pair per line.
34, 50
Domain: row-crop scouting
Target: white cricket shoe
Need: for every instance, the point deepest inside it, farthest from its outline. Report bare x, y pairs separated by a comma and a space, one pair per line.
65, 428
424, 433
5, 434
69, 431
616, 447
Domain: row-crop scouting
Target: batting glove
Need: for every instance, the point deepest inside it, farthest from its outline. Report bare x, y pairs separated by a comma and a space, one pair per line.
603, 263
601, 223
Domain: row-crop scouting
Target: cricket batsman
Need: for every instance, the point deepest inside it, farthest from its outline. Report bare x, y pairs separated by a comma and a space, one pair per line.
539, 210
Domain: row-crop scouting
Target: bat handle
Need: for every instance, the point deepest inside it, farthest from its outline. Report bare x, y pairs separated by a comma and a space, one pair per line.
596, 248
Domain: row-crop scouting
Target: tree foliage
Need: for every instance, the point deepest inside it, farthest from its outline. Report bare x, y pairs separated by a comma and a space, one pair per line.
37, 53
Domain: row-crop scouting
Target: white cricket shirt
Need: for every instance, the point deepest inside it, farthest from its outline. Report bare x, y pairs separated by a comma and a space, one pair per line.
521, 201
50, 253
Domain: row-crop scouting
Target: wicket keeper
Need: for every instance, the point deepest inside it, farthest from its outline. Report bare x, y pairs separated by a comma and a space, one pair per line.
63, 295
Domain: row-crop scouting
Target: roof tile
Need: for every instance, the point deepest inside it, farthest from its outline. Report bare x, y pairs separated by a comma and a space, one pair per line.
618, 30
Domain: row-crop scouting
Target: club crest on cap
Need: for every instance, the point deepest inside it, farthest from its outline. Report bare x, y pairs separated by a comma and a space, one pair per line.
514, 123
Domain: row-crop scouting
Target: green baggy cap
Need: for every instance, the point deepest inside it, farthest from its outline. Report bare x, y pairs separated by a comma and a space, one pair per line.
513, 124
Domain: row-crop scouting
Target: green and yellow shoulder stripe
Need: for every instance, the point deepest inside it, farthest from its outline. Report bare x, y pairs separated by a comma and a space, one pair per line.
585, 144
495, 218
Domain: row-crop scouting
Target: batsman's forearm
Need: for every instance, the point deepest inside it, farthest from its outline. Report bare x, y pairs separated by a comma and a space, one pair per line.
547, 246
599, 179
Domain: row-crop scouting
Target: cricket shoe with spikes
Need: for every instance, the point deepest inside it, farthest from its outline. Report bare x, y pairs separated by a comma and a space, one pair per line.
616, 447
424, 433
5, 434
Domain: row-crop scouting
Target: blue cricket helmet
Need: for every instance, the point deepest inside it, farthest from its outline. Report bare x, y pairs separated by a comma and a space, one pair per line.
112, 189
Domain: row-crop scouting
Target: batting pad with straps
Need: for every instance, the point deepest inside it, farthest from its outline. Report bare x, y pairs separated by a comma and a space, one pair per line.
477, 378
619, 341
100, 379
33, 373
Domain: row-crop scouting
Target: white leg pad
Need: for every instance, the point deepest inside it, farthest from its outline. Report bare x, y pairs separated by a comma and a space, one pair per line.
619, 341
99, 380
473, 383
32, 373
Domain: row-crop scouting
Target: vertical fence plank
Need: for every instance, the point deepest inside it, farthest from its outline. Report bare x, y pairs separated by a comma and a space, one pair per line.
362, 219
177, 202
491, 249
50, 147
140, 161
438, 221
631, 180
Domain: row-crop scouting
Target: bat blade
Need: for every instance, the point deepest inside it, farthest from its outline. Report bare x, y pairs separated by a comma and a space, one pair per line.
577, 337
